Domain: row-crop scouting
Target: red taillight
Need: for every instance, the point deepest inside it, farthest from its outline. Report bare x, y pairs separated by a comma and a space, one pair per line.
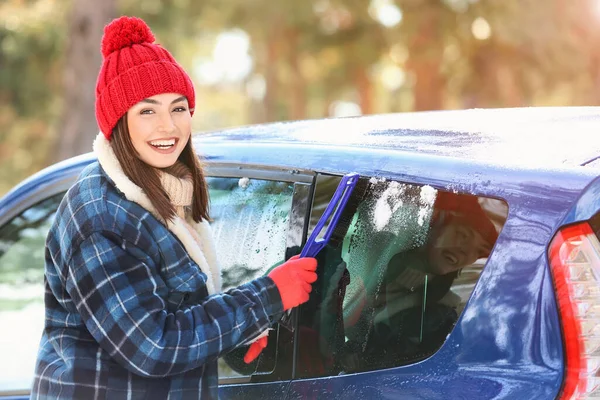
575, 264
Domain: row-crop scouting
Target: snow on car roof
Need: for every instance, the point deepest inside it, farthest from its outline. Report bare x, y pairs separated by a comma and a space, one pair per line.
557, 136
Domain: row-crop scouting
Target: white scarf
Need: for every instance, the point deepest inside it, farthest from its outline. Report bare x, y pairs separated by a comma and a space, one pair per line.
198, 241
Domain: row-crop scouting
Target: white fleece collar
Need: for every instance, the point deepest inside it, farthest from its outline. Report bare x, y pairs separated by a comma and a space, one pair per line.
203, 253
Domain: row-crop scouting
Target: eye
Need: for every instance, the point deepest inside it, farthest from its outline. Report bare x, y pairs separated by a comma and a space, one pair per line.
180, 109
146, 112
461, 233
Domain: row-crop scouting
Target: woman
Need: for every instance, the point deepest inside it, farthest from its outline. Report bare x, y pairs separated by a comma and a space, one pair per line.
133, 301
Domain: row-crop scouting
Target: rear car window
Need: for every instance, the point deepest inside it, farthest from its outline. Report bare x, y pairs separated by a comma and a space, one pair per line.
390, 292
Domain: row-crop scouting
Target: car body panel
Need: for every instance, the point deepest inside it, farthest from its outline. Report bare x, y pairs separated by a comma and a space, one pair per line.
507, 343
513, 347
586, 206
51, 180
274, 390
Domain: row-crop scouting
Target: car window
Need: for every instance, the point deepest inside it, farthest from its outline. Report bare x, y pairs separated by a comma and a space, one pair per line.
250, 226
22, 244
393, 288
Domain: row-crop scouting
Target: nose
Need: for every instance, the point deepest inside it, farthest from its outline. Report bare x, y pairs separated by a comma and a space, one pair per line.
461, 254
166, 123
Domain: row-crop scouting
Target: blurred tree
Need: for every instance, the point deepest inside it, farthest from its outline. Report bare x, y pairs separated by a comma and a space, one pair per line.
425, 28
175, 23
31, 40
579, 28
77, 127
277, 32
348, 29
304, 59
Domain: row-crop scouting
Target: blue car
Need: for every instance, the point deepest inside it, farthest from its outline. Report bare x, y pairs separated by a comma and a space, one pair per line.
465, 265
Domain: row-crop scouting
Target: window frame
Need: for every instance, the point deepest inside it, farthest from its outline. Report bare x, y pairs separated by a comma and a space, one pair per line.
303, 181
420, 184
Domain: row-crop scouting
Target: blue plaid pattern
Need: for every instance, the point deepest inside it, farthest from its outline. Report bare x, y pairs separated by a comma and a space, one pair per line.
127, 311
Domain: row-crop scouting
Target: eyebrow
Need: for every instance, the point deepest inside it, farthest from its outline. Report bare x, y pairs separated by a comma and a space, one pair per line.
152, 101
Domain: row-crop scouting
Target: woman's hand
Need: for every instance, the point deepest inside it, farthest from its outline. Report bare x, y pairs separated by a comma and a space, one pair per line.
294, 280
255, 349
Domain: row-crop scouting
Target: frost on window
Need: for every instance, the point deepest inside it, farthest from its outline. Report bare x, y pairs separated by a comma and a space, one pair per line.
250, 223
393, 219
411, 258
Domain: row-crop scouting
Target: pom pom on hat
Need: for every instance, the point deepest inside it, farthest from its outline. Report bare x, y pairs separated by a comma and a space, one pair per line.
134, 68
125, 32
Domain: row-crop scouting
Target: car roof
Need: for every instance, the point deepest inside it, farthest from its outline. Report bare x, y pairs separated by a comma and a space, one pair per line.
542, 139
535, 136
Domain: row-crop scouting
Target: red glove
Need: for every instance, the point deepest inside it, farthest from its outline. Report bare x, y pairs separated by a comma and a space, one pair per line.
293, 279
255, 349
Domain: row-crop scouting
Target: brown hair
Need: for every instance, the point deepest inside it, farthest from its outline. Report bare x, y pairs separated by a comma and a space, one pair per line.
146, 176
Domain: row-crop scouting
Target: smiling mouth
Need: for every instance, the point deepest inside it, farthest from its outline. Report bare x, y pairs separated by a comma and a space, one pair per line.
163, 144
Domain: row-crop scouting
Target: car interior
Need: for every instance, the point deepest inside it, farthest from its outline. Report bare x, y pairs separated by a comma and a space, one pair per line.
391, 293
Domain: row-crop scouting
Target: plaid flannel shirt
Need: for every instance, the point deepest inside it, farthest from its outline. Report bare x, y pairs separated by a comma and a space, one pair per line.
128, 314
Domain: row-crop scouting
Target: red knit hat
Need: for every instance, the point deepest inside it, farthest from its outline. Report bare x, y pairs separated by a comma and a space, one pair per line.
466, 209
133, 69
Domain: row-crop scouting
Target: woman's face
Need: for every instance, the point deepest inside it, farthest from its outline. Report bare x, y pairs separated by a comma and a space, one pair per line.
160, 127
455, 246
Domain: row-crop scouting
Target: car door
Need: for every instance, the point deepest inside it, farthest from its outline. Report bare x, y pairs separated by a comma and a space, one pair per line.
258, 216
25, 218
391, 291
259, 219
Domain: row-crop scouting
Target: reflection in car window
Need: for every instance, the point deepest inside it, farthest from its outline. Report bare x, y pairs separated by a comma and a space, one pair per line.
391, 293
22, 244
250, 224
